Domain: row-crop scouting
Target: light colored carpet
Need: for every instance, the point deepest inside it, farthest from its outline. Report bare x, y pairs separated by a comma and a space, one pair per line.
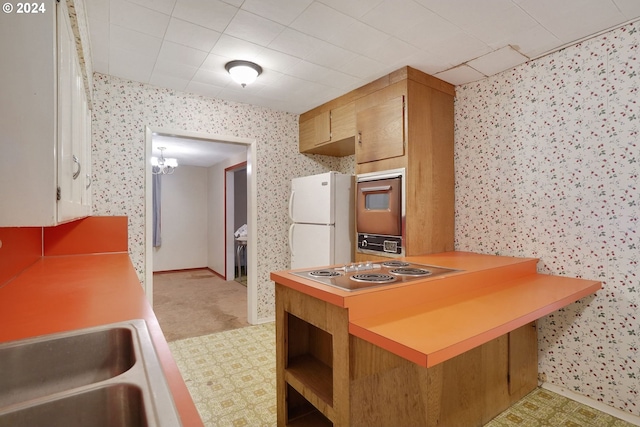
231, 377
193, 303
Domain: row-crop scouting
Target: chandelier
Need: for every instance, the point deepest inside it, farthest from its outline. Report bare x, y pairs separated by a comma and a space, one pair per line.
162, 165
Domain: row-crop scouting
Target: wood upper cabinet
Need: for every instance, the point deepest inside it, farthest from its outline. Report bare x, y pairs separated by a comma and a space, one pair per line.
381, 129
330, 132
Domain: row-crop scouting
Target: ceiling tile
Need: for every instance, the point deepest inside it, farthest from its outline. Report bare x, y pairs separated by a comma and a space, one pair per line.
459, 48
170, 82
497, 28
191, 35
281, 11
391, 51
97, 9
203, 89
431, 32
133, 41
212, 14
163, 6
130, 65
214, 78
235, 48
175, 52
175, 69
364, 68
339, 80
460, 75
99, 39
274, 60
463, 13
534, 41
307, 71
354, 8
357, 36
294, 43
138, 18
391, 16
322, 22
253, 28
571, 20
329, 55
215, 62
630, 8
497, 61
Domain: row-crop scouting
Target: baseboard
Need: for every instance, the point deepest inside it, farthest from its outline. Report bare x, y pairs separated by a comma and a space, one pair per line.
264, 320
592, 403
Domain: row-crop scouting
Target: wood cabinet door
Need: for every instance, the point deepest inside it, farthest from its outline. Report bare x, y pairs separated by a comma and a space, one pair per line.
343, 122
315, 131
380, 131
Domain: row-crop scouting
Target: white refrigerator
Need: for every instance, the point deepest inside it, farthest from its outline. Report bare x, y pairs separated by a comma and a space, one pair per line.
321, 209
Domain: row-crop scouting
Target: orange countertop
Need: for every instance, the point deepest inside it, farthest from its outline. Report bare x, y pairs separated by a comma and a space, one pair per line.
61, 293
432, 320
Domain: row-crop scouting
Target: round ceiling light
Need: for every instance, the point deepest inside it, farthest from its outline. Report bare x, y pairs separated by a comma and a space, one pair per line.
243, 72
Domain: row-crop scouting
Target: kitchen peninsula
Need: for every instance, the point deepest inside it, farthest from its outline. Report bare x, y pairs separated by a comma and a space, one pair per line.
452, 350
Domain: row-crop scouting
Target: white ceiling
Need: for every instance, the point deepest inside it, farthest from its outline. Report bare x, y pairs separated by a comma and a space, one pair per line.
194, 152
315, 50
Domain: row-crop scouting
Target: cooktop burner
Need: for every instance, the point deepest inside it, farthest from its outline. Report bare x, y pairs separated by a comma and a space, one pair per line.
410, 271
367, 275
324, 273
373, 278
392, 264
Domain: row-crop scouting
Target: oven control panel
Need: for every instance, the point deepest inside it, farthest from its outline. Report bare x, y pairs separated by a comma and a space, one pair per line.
379, 244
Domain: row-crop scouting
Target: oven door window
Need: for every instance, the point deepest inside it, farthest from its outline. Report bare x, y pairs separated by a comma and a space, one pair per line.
379, 207
376, 201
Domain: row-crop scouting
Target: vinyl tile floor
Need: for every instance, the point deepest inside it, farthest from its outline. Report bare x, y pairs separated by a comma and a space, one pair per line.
231, 376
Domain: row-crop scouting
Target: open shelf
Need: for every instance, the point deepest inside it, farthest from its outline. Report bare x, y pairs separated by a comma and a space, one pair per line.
314, 375
302, 413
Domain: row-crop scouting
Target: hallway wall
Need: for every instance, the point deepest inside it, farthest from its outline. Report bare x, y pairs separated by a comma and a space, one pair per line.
184, 220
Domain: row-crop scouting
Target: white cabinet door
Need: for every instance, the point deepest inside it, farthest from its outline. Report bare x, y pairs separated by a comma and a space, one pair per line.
69, 198
72, 107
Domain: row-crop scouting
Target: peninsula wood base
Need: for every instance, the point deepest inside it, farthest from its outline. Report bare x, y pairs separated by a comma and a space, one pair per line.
325, 376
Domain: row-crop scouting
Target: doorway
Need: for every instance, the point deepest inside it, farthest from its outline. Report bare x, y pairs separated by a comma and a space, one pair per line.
236, 222
251, 196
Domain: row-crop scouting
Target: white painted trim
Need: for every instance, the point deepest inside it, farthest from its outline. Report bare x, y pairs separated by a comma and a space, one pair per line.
592, 403
252, 212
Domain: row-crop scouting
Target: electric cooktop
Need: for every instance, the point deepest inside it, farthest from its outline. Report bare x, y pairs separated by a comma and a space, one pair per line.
368, 275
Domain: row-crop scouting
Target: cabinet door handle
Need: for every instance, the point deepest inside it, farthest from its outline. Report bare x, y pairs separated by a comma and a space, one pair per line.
360, 138
76, 174
90, 182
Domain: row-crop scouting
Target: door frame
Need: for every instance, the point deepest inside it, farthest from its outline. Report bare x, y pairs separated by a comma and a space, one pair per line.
252, 210
229, 211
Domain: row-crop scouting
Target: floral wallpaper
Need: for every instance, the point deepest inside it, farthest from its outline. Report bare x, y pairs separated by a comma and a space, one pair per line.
121, 111
547, 163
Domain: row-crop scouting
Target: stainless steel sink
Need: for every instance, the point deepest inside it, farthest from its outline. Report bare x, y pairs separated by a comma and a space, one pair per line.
103, 376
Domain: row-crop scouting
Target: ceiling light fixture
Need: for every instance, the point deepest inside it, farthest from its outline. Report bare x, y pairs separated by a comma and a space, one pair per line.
243, 72
162, 165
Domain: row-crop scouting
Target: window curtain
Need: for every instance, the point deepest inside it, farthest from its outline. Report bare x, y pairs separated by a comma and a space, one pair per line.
157, 191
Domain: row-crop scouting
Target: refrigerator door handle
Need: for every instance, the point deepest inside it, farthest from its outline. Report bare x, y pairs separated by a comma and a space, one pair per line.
291, 238
291, 205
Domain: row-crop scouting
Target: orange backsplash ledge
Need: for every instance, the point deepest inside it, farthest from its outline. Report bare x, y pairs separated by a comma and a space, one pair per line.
91, 235
20, 247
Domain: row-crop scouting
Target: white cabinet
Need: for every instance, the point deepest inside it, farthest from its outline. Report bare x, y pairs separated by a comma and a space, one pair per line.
45, 141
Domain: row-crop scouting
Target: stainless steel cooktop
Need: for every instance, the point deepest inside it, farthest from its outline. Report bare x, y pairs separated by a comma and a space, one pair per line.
368, 275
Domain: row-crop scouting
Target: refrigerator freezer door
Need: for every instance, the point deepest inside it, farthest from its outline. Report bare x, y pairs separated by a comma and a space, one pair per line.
311, 245
311, 200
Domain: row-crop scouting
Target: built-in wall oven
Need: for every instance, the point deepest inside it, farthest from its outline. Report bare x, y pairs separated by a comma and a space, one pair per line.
380, 212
